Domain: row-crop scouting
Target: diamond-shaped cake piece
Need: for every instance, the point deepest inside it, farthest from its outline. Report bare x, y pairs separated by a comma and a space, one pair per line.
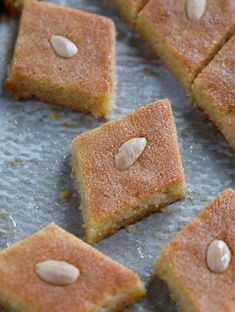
214, 91
129, 9
103, 284
83, 81
127, 169
184, 45
201, 277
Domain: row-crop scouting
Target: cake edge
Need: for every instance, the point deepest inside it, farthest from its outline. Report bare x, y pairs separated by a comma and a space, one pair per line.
223, 121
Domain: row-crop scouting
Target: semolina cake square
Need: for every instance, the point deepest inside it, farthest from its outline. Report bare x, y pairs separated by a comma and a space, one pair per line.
112, 198
103, 284
129, 9
214, 91
183, 263
83, 82
183, 45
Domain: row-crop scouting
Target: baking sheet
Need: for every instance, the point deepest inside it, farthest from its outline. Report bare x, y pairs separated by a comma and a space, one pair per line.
35, 157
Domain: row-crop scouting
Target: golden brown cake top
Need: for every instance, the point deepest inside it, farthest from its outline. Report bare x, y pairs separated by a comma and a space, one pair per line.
100, 277
191, 42
90, 70
109, 191
186, 256
217, 80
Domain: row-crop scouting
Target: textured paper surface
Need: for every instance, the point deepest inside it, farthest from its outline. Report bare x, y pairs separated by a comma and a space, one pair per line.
35, 151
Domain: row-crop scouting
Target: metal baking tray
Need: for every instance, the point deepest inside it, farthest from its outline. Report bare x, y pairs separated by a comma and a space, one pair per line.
35, 157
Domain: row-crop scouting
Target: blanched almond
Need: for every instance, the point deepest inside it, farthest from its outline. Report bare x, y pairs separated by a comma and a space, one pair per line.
195, 9
58, 273
129, 152
63, 46
218, 256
